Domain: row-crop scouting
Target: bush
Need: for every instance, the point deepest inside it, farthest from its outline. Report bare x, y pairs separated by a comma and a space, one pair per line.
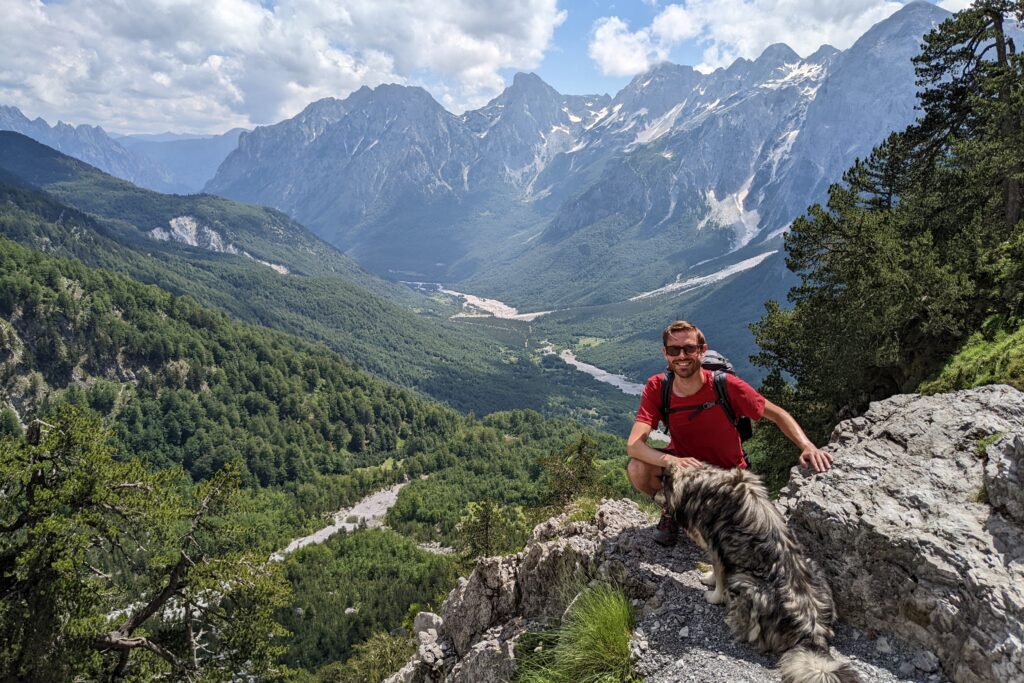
590, 646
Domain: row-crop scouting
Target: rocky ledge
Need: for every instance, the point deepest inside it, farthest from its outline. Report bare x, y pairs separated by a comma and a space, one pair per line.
919, 527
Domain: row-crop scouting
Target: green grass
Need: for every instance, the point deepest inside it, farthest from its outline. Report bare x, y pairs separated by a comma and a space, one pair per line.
993, 358
987, 441
583, 509
590, 646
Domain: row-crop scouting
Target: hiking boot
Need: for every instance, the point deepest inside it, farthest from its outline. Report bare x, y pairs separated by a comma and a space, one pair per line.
667, 532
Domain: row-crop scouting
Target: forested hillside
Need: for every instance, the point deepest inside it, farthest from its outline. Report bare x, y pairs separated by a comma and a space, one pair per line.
388, 330
188, 394
913, 274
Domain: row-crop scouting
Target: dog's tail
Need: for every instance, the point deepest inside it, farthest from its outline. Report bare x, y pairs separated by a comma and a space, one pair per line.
808, 664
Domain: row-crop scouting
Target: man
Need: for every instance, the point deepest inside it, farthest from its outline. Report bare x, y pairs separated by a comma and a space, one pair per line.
700, 435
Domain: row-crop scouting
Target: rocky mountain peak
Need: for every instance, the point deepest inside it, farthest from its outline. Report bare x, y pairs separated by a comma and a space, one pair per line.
822, 54
905, 26
777, 54
531, 83
657, 90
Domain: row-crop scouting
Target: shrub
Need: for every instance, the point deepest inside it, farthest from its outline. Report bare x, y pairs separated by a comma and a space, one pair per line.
590, 646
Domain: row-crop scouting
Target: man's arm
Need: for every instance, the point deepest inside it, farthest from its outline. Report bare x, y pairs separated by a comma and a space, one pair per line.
810, 455
636, 447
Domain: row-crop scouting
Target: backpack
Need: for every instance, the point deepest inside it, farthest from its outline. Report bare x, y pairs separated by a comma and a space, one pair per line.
720, 366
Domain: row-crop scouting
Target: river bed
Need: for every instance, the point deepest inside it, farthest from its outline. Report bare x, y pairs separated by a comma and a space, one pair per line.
620, 382
369, 511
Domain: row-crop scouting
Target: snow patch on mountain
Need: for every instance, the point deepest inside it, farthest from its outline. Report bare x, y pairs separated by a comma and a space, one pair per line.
704, 280
660, 126
795, 73
729, 212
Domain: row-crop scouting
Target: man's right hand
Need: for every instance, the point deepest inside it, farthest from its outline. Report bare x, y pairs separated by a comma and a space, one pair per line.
683, 462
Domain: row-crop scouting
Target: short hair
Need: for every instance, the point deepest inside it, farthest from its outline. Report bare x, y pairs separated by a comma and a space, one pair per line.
682, 326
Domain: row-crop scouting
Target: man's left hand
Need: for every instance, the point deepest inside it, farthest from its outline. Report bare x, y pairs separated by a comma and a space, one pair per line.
812, 456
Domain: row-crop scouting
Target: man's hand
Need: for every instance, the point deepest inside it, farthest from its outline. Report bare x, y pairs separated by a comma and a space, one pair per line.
812, 456
683, 462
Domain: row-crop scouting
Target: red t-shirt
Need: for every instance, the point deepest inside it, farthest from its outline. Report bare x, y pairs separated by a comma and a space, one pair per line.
708, 436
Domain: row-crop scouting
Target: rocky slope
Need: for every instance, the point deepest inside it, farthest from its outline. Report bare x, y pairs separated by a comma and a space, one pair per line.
923, 534
919, 528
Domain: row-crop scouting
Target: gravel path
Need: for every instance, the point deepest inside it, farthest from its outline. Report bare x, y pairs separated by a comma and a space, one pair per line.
680, 637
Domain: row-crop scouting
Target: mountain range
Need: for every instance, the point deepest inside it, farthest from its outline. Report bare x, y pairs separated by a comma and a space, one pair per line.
179, 164
547, 200
262, 267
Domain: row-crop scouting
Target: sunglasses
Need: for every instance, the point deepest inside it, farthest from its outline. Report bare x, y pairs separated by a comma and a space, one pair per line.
688, 350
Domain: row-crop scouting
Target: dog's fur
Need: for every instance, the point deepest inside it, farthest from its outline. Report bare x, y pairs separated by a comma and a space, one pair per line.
775, 598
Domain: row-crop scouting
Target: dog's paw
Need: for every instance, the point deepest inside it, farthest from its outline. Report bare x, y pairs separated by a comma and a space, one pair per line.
708, 578
715, 597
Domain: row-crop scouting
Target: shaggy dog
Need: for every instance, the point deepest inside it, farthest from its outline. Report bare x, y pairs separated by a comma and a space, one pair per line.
775, 599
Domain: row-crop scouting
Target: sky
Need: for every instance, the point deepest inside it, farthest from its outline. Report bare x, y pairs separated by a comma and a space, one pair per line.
205, 66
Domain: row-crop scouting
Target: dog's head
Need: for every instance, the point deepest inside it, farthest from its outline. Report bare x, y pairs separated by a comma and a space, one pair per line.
673, 485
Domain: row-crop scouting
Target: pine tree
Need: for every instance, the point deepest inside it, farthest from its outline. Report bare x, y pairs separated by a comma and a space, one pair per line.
921, 242
108, 570
572, 471
9, 423
490, 529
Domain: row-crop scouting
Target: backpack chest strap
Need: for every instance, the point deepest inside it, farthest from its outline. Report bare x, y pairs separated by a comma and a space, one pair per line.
695, 409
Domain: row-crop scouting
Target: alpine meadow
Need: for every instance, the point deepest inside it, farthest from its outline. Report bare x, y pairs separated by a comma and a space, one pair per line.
343, 352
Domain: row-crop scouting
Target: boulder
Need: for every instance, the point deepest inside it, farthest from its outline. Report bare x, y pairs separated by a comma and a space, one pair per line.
919, 526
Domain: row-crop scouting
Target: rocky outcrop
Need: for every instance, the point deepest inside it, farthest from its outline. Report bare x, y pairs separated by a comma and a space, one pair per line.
920, 526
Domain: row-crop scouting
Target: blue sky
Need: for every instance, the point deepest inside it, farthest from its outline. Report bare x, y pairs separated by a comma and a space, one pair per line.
210, 65
569, 69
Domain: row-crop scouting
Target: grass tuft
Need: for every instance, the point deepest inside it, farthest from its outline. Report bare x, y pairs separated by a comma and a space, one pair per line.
583, 509
590, 646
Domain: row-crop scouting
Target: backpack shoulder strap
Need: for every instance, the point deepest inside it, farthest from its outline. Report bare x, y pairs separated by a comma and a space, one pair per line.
666, 396
721, 390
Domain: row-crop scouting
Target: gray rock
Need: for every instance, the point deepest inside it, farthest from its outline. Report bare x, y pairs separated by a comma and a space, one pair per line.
925, 661
491, 660
903, 531
900, 525
486, 598
1004, 479
427, 620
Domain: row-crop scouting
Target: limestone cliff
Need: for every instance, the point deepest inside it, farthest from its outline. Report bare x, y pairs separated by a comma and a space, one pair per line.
920, 528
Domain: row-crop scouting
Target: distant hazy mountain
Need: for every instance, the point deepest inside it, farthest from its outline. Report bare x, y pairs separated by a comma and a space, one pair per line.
92, 145
190, 160
679, 175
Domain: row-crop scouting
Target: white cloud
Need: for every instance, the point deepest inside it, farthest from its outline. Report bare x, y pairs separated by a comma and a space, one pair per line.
728, 29
212, 64
954, 5
619, 52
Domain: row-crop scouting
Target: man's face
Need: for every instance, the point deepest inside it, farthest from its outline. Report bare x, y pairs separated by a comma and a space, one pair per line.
684, 364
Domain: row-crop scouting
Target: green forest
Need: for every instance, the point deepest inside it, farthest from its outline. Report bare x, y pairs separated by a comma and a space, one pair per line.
173, 398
